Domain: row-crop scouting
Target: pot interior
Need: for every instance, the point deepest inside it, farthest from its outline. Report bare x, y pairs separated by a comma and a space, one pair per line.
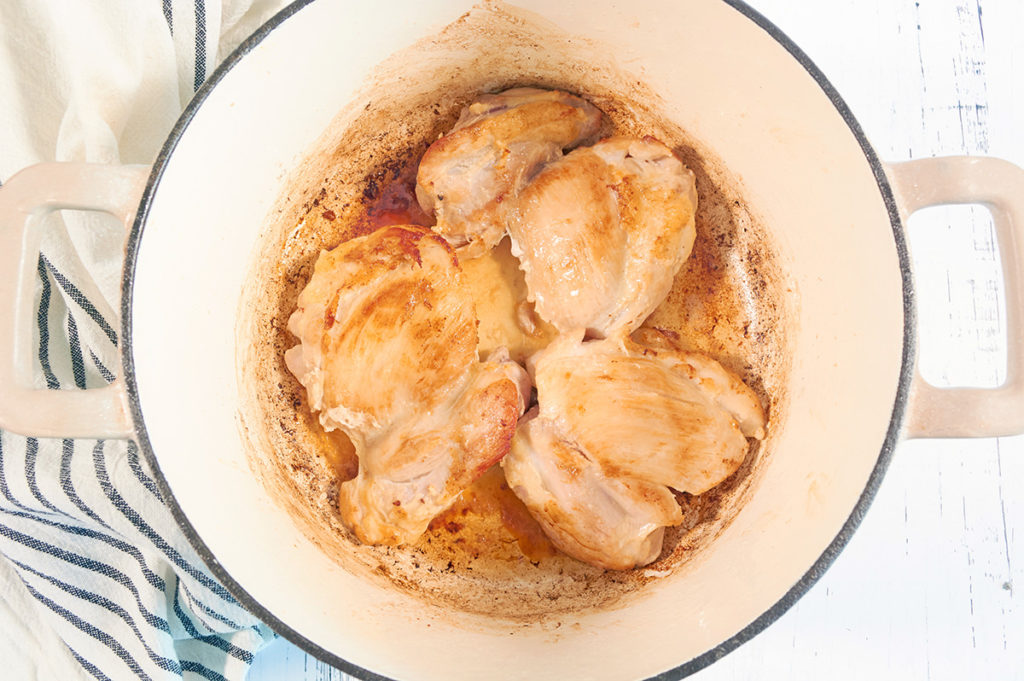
324, 105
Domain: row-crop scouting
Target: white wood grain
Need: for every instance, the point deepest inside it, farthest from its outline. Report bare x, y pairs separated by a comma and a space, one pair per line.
929, 586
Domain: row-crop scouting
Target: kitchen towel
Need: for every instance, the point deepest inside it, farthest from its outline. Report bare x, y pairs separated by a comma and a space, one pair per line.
96, 579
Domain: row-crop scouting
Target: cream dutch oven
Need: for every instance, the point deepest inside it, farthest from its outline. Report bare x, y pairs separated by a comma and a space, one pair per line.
767, 128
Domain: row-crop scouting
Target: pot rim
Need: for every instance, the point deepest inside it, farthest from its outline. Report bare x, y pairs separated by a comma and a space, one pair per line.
809, 578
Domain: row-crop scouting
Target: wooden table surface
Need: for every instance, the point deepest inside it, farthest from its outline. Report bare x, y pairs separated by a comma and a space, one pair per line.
929, 587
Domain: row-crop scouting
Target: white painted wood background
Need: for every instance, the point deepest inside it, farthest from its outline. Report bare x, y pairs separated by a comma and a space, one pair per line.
930, 587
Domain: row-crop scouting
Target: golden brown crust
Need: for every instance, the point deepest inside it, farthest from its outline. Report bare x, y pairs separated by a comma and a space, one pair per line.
388, 355
393, 305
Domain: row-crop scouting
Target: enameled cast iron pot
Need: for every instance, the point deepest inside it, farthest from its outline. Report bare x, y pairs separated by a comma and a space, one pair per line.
726, 76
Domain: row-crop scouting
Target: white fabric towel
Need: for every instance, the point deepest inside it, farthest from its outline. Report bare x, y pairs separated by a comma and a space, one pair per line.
96, 579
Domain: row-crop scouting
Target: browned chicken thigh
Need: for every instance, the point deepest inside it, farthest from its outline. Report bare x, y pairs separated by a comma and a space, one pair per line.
611, 522
468, 178
601, 233
388, 355
620, 423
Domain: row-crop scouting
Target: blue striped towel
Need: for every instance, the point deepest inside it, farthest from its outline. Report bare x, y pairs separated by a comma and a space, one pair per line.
96, 579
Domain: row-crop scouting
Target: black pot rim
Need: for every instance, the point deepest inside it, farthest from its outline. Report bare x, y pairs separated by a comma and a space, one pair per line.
755, 627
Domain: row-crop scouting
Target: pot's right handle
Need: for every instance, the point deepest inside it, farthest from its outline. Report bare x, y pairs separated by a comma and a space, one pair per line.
24, 200
999, 186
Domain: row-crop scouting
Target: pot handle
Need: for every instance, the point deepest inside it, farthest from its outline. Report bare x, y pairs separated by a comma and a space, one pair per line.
999, 186
24, 200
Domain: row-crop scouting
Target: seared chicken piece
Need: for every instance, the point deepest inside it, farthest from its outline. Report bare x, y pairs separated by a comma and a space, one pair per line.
412, 472
601, 233
615, 411
469, 177
670, 417
612, 522
388, 355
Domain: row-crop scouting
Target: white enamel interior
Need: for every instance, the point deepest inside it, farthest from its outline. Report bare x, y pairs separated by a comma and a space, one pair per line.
727, 82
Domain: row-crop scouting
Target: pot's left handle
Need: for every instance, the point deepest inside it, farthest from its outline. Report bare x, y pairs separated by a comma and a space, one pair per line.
24, 200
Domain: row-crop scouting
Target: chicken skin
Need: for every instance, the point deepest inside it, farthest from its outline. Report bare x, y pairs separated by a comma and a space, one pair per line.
612, 522
619, 423
388, 355
601, 233
468, 178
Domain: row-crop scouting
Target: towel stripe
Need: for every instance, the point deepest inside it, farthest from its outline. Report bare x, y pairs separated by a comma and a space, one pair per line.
196, 668
4, 489
77, 365
228, 647
66, 484
80, 300
31, 452
160, 661
106, 373
200, 68
43, 322
88, 666
135, 463
169, 16
85, 627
